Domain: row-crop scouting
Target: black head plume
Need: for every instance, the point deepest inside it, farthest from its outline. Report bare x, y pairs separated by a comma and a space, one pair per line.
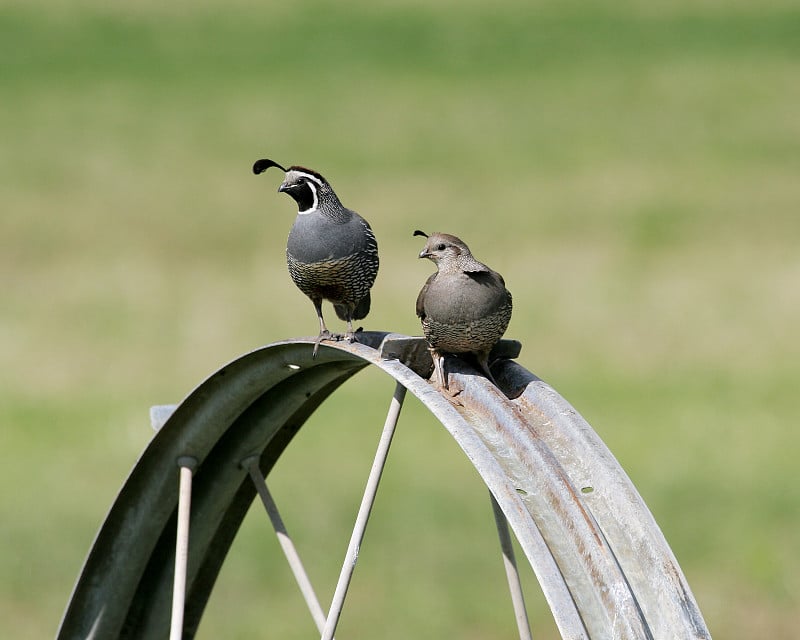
417, 232
262, 165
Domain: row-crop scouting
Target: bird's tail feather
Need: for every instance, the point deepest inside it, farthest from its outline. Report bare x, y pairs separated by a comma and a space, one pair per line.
362, 308
359, 313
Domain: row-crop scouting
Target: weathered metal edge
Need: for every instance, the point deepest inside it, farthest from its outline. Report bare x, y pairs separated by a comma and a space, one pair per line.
270, 365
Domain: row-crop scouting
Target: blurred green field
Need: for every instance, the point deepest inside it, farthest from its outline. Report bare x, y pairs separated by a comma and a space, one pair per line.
631, 169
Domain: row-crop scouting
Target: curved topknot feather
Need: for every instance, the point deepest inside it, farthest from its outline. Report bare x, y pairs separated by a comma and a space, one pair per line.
262, 165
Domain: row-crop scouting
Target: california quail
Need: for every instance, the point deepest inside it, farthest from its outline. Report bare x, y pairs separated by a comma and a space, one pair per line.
331, 251
464, 307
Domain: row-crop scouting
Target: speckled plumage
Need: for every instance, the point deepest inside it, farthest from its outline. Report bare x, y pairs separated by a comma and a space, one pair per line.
464, 307
331, 251
345, 282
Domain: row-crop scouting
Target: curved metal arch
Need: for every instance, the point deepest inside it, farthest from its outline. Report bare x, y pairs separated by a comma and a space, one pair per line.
603, 564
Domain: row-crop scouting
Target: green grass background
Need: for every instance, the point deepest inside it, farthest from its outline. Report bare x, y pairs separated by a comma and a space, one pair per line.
630, 167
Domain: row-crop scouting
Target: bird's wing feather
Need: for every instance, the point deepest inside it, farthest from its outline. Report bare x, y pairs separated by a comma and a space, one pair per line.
421, 297
477, 268
470, 265
486, 277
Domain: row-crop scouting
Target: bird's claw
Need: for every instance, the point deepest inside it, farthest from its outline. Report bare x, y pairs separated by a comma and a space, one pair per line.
350, 336
323, 335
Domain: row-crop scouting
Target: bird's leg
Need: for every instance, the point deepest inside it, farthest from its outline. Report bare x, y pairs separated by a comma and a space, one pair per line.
350, 336
483, 361
439, 371
323, 330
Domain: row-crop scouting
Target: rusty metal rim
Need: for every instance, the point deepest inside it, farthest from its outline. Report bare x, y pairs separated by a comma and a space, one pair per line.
581, 549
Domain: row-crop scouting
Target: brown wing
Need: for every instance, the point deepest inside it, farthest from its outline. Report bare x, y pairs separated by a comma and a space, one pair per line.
487, 277
421, 297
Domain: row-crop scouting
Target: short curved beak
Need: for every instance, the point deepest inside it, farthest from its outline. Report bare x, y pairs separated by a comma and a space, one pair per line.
424, 254
283, 188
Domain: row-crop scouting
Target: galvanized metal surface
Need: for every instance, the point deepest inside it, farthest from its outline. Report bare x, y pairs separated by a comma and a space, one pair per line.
603, 564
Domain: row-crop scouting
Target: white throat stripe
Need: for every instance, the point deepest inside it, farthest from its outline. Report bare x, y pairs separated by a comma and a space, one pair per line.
313, 188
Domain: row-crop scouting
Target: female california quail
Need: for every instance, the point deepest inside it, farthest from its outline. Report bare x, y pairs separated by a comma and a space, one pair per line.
331, 251
464, 307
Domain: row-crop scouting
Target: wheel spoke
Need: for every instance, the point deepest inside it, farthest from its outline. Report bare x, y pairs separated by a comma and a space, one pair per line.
289, 550
364, 511
187, 465
601, 560
512, 573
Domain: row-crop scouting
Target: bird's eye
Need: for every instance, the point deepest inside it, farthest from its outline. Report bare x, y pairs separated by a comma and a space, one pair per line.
440, 247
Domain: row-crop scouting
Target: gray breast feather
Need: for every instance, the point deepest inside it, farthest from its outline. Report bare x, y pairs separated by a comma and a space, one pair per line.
463, 297
315, 237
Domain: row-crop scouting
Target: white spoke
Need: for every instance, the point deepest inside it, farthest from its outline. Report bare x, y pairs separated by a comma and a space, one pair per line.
187, 466
510, 563
363, 513
289, 550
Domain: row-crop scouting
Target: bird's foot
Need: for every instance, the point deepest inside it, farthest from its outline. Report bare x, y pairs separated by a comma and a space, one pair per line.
323, 335
451, 393
352, 336
439, 377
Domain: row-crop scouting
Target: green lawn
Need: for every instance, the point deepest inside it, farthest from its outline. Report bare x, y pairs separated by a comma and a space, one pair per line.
631, 169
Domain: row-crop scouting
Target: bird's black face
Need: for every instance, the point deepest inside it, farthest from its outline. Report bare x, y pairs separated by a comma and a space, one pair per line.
304, 188
303, 192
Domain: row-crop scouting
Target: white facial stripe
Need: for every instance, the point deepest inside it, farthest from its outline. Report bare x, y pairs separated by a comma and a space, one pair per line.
313, 188
309, 176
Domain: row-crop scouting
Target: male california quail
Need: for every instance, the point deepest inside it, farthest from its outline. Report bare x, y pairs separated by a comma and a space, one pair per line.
331, 251
464, 307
